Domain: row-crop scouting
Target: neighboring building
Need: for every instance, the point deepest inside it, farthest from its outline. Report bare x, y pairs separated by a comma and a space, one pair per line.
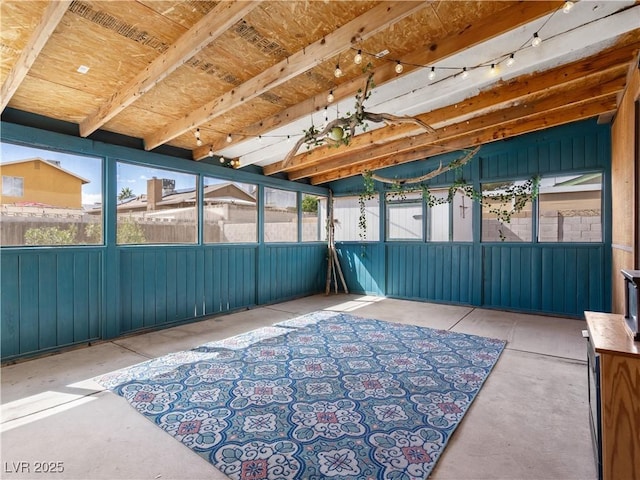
161, 197
35, 181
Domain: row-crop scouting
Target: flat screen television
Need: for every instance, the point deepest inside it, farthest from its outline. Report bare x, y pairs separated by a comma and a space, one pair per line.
632, 301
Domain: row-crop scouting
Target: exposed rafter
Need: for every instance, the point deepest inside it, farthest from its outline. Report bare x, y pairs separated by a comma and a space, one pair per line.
359, 29
511, 18
52, 15
518, 90
560, 116
208, 29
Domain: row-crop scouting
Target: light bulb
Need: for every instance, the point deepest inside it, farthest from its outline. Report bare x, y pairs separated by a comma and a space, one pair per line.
432, 73
511, 60
337, 72
330, 97
260, 138
210, 152
229, 139
357, 59
221, 159
199, 142
568, 5
399, 67
536, 40
494, 70
465, 73
288, 138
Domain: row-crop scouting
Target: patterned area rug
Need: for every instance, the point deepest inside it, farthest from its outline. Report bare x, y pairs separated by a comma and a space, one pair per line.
325, 395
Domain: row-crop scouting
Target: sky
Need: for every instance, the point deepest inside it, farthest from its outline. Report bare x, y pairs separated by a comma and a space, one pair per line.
132, 176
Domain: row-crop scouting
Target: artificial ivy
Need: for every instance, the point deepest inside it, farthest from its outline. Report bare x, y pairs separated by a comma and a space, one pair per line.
504, 205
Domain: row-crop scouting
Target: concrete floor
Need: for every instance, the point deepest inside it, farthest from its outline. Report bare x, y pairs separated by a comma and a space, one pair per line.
529, 421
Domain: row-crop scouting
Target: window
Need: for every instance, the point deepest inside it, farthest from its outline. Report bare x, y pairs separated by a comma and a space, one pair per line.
519, 228
280, 215
439, 218
570, 208
156, 206
404, 217
12, 186
314, 215
346, 218
462, 216
49, 198
230, 212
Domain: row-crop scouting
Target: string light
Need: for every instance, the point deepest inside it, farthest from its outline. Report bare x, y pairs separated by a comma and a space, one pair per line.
568, 5
536, 40
399, 68
511, 60
330, 97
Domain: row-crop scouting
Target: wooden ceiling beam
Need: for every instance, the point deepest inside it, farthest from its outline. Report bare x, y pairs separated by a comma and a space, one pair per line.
52, 15
593, 86
222, 17
519, 89
509, 19
567, 114
366, 25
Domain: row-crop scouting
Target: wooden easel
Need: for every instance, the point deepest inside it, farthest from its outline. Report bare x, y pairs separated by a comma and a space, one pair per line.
333, 263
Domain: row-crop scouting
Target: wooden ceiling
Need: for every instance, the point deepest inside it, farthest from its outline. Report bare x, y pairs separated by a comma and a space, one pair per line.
158, 70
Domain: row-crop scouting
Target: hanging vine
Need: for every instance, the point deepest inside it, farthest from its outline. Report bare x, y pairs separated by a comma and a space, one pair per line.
511, 199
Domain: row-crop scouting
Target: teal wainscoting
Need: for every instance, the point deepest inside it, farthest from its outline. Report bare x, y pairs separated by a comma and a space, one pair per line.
551, 278
439, 272
160, 285
288, 271
363, 267
556, 279
49, 298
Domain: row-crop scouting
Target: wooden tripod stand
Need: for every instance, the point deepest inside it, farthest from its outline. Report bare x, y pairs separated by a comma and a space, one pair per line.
333, 263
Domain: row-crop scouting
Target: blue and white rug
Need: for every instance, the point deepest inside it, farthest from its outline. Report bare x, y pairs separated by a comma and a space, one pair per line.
325, 395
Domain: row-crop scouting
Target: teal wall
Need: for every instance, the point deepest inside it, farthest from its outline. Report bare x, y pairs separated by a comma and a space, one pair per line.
562, 279
56, 297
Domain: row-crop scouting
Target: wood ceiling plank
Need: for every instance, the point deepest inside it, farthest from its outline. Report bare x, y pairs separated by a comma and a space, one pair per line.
609, 62
469, 36
362, 27
567, 114
596, 86
209, 28
39, 37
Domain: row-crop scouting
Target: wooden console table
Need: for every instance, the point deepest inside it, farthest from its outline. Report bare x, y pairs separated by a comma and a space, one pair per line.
617, 364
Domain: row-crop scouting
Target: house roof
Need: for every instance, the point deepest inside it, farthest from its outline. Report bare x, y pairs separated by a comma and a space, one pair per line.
260, 73
50, 164
231, 193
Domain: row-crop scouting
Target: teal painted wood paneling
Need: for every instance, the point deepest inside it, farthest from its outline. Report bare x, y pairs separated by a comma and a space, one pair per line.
434, 272
164, 285
567, 280
291, 270
9, 306
50, 298
363, 267
55, 297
